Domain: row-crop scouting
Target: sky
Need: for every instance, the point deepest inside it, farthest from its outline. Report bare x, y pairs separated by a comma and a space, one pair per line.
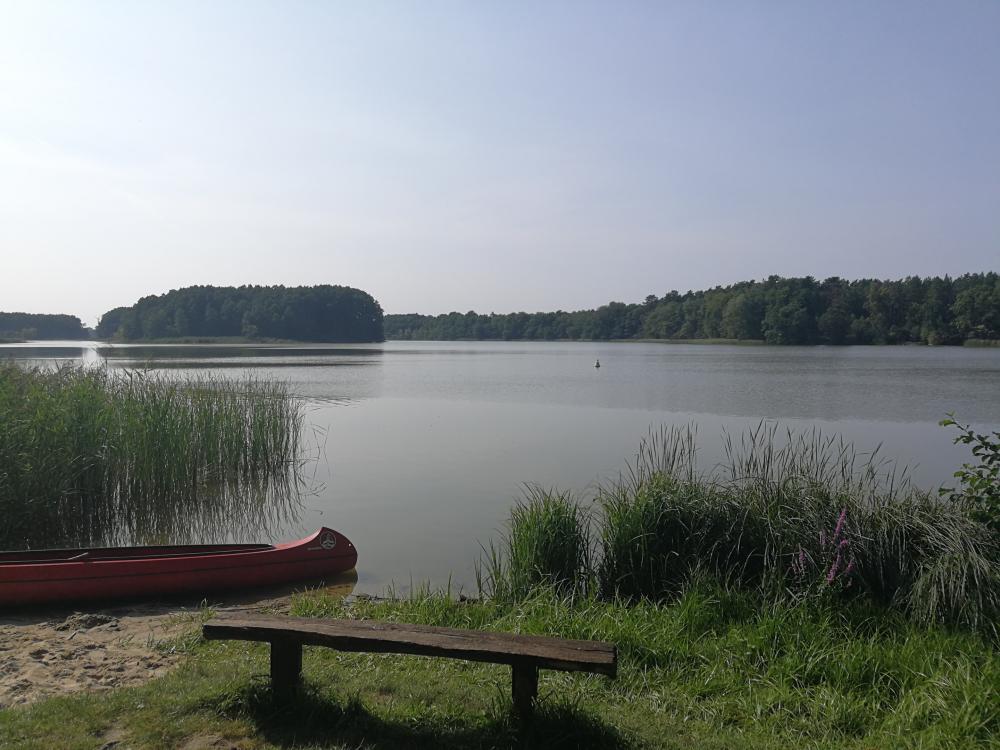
495, 156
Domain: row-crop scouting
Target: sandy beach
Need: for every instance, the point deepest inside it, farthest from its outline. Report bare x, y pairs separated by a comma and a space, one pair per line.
64, 651
91, 651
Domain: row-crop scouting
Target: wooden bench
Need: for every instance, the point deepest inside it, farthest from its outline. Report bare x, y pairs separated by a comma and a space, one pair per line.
526, 654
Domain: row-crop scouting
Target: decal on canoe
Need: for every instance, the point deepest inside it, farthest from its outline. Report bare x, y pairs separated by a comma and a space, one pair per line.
328, 541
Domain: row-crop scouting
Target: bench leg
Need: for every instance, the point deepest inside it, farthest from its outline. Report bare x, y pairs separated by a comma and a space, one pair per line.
286, 669
524, 688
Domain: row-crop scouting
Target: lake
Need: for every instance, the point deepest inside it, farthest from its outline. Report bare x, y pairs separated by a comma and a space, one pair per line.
420, 448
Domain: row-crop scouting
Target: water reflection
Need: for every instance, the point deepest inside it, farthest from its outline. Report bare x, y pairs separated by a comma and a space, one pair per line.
44, 353
205, 364
200, 352
335, 374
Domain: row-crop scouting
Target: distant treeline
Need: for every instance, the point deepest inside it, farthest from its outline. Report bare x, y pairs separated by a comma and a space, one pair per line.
305, 313
18, 325
777, 310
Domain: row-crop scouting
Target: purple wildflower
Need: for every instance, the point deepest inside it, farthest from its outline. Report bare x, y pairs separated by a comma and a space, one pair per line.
833, 569
840, 525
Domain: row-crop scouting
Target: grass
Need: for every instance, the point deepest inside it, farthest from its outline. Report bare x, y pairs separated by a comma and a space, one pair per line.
100, 456
714, 669
784, 515
548, 545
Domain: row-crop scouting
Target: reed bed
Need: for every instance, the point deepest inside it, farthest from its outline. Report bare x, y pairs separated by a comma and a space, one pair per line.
788, 515
548, 545
100, 456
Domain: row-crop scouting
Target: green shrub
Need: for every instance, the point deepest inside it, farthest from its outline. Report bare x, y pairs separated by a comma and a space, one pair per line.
980, 482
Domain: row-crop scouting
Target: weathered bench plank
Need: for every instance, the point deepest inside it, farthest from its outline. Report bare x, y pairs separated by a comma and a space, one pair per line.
525, 654
422, 640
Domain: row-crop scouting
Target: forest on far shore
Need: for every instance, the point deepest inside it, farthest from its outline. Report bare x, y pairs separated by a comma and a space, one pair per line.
302, 313
41, 326
778, 310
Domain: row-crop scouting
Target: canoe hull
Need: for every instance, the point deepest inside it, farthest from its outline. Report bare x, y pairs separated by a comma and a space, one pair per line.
131, 573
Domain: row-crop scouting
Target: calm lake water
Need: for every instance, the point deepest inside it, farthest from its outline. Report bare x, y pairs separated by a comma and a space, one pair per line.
422, 447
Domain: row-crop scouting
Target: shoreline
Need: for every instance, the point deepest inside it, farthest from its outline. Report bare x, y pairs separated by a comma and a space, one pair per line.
968, 344
236, 341
221, 340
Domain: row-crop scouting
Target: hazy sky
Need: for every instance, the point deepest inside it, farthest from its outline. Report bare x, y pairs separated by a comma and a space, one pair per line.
491, 155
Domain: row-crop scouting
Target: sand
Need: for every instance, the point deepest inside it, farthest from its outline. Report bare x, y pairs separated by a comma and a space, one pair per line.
91, 651
60, 652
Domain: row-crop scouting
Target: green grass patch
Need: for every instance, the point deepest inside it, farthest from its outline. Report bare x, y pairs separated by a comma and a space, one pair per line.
99, 456
714, 669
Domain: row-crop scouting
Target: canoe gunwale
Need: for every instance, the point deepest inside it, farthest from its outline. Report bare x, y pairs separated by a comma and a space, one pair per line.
98, 555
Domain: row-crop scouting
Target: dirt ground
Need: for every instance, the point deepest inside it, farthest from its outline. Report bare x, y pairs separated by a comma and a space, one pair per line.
61, 651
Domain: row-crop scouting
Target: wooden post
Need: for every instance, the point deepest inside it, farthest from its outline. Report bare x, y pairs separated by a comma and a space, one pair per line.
524, 687
286, 668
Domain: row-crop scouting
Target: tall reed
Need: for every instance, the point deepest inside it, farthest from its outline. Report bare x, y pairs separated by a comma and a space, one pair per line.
547, 545
100, 456
787, 515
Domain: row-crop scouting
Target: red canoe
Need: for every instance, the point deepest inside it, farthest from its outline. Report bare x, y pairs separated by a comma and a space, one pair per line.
48, 576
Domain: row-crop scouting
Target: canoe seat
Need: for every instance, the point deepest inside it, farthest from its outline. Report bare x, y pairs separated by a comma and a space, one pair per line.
526, 654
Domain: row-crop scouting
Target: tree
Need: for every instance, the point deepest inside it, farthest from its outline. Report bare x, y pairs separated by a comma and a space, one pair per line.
321, 313
781, 310
835, 324
740, 318
41, 326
